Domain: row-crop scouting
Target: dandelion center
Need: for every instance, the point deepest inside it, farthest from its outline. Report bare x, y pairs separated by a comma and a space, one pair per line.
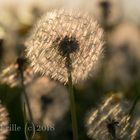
45, 102
68, 45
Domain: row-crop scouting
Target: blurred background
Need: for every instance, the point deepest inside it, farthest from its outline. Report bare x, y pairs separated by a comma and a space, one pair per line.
119, 72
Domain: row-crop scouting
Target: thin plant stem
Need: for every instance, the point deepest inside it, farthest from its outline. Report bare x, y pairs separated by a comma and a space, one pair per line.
20, 62
24, 111
25, 96
27, 103
25, 119
133, 106
73, 109
135, 100
72, 98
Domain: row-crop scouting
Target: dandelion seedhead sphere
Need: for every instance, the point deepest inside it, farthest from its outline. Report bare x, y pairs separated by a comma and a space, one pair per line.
111, 121
4, 122
10, 76
64, 40
48, 100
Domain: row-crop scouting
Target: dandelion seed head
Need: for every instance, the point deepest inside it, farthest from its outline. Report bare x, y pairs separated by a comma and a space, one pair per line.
11, 77
108, 12
49, 101
135, 130
4, 122
62, 33
124, 56
109, 119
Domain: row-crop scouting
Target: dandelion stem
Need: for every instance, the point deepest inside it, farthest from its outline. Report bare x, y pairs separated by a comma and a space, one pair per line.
25, 118
72, 99
133, 106
20, 62
73, 109
26, 97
